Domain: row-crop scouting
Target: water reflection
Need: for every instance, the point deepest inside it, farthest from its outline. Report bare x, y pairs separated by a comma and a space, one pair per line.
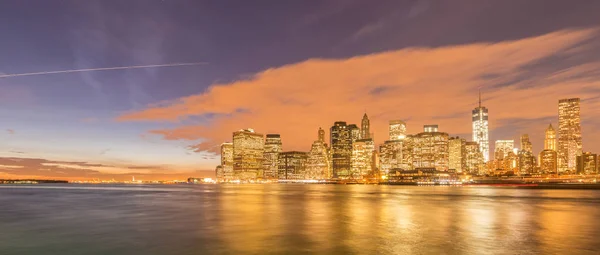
298, 219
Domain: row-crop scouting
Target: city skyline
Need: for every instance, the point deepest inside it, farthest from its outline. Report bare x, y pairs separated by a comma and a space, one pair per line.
307, 66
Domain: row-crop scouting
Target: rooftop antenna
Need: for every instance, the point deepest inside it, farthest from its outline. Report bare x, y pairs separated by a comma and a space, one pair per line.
479, 96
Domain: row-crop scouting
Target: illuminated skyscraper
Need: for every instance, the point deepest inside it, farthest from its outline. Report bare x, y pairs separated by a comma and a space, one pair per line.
430, 150
318, 164
362, 158
248, 149
480, 129
587, 163
292, 165
342, 136
430, 128
397, 130
390, 156
526, 162
526, 143
550, 139
272, 150
569, 134
473, 158
227, 160
456, 151
548, 161
365, 126
502, 148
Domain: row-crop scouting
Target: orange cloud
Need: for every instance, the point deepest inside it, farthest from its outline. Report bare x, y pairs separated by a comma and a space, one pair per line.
420, 85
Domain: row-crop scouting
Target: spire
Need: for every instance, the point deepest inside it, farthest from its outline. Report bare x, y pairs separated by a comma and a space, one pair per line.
479, 97
550, 127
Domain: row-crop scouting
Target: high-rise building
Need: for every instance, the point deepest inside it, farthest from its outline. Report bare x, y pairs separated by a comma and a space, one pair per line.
526, 162
456, 151
227, 160
502, 148
248, 149
219, 173
473, 158
430, 150
569, 134
362, 158
397, 130
587, 163
480, 129
548, 161
342, 136
408, 151
390, 156
292, 165
318, 163
526, 143
271, 154
430, 128
550, 139
365, 127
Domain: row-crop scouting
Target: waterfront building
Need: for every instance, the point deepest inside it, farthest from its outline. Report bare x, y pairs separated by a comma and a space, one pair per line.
473, 159
502, 148
526, 162
569, 134
365, 130
292, 165
430, 150
318, 163
548, 161
219, 173
587, 163
342, 136
271, 153
397, 130
526, 143
390, 156
430, 128
362, 158
227, 160
408, 145
550, 139
480, 129
248, 154
457, 154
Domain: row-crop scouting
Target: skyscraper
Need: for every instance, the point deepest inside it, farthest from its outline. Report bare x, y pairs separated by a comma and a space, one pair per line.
473, 158
227, 160
456, 151
342, 136
397, 130
390, 156
480, 129
526, 143
365, 124
318, 162
587, 163
569, 134
292, 165
248, 149
362, 158
503, 148
272, 150
430, 150
550, 139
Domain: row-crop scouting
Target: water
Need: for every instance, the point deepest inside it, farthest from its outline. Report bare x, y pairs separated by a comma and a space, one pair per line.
296, 219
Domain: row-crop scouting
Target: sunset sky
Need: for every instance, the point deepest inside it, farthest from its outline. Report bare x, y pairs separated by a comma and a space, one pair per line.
286, 67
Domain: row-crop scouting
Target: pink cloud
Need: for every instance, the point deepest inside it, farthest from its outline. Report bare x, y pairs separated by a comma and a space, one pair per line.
421, 85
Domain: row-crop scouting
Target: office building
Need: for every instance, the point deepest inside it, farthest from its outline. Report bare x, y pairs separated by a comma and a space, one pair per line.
456, 151
473, 159
365, 130
390, 156
248, 154
550, 139
430, 150
342, 136
318, 163
548, 161
397, 130
227, 160
569, 134
480, 129
362, 158
271, 154
587, 163
292, 165
526, 143
502, 148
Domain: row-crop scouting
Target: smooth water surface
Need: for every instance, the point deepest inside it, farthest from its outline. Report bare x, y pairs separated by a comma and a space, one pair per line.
296, 219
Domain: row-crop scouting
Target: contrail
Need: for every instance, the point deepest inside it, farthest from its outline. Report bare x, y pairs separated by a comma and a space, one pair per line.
99, 69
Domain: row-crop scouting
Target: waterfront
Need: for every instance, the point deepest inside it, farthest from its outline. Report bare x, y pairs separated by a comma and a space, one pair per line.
296, 219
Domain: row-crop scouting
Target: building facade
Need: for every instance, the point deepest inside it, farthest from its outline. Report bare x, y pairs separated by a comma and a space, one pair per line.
365, 127
430, 128
248, 154
526, 143
457, 154
227, 161
318, 163
548, 161
272, 149
473, 159
390, 156
550, 139
292, 165
397, 130
587, 163
342, 136
480, 129
502, 148
569, 134
362, 158
430, 150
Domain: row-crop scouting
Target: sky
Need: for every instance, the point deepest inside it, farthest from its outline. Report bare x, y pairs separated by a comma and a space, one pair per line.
286, 67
